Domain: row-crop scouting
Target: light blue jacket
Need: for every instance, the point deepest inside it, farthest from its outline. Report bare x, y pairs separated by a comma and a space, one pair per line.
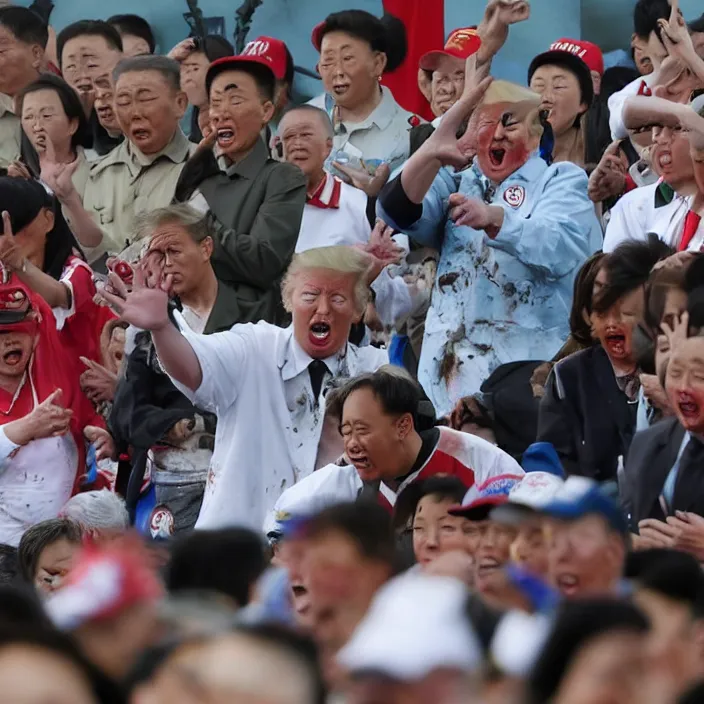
508, 299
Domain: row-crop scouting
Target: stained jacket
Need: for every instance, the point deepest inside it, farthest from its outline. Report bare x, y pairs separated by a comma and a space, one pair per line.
256, 206
506, 299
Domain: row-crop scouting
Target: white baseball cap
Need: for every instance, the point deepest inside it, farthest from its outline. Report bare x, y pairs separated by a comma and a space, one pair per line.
415, 625
535, 491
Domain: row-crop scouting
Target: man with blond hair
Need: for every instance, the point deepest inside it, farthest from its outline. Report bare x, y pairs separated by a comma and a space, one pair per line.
265, 384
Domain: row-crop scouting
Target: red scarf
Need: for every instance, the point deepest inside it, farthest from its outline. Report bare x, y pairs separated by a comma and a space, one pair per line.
319, 196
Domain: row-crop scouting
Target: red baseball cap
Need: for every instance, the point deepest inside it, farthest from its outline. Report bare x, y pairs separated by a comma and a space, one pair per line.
587, 51
478, 509
273, 52
461, 44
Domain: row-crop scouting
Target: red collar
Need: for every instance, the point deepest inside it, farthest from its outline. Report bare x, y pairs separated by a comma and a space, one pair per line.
327, 194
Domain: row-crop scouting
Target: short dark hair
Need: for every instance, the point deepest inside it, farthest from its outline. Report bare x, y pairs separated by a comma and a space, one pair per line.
646, 14
660, 283
214, 47
582, 299
263, 76
387, 35
167, 67
21, 606
440, 487
9, 564
629, 267
228, 561
397, 393
577, 623
40, 536
87, 28
695, 308
70, 102
135, 26
367, 525
26, 26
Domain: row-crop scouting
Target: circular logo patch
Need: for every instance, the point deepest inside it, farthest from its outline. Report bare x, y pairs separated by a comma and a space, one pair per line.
515, 195
161, 523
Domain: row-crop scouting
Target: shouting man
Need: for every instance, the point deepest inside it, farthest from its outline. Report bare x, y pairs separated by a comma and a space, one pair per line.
265, 384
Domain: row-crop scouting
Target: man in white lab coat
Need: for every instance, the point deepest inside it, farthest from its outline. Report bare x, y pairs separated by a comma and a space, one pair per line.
266, 384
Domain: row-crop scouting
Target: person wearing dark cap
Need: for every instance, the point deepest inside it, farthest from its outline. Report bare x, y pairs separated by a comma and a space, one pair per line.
565, 84
195, 55
356, 49
256, 203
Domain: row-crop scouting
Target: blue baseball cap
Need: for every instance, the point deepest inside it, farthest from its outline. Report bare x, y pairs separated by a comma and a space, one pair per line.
579, 497
542, 457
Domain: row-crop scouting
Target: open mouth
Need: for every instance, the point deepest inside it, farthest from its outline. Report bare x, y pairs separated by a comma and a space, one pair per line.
12, 357
568, 584
616, 344
140, 135
496, 156
689, 409
341, 88
225, 137
665, 160
488, 566
319, 333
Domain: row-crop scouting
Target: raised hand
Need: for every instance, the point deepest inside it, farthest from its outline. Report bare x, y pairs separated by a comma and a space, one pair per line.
675, 34
97, 382
362, 179
443, 143
382, 249
609, 177
182, 50
144, 307
59, 177
508, 12
10, 253
676, 333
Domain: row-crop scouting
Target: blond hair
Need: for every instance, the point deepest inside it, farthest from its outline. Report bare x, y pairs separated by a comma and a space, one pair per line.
339, 259
507, 92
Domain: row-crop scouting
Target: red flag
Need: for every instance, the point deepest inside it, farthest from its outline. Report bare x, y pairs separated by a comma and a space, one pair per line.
425, 29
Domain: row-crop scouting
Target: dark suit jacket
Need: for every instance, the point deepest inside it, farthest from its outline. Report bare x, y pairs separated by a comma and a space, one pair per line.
653, 453
586, 416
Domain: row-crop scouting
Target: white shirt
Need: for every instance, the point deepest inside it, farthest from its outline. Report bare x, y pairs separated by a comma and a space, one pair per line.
636, 215
618, 100
256, 380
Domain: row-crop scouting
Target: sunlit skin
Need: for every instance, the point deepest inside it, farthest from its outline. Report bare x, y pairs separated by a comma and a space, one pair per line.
148, 109
671, 156
238, 112
350, 70
446, 85
86, 57
193, 70
561, 96
585, 558
503, 137
54, 564
306, 143
44, 118
685, 383
435, 531
614, 328
374, 441
20, 63
324, 308
493, 553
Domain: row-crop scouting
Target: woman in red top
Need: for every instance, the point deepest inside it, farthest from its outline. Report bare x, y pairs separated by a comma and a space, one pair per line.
43, 253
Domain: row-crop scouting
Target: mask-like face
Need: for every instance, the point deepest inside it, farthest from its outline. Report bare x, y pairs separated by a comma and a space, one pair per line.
685, 383
193, 71
86, 57
504, 141
493, 553
133, 45
435, 531
306, 142
19, 62
561, 96
671, 157
15, 351
44, 118
447, 84
104, 102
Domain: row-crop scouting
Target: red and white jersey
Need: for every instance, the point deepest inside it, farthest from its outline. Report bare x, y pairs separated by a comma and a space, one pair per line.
476, 462
82, 324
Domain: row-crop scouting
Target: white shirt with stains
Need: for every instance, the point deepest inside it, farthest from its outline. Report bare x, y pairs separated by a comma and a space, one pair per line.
507, 299
256, 380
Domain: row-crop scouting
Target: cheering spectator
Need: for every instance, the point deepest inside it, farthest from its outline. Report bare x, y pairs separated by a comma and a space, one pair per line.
23, 39
387, 452
100, 514
356, 49
195, 56
139, 175
47, 552
136, 34
89, 50
496, 262
265, 383
163, 429
589, 409
256, 203
46, 419
39, 247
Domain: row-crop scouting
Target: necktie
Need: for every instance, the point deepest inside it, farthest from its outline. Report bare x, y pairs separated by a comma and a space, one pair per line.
691, 225
317, 370
690, 472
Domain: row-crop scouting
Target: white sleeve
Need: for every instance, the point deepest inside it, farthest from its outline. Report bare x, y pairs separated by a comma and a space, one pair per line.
393, 298
7, 447
617, 102
624, 223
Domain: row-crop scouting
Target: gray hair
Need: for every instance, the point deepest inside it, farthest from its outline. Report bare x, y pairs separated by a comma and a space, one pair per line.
168, 68
322, 116
97, 511
195, 223
340, 259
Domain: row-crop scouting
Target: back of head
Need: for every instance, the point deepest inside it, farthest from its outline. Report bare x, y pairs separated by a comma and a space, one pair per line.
215, 47
88, 28
228, 561
25, 25
136, 26
9, 564
582, 299
98, 512
20, 607
386, 35
577, 623
646, 14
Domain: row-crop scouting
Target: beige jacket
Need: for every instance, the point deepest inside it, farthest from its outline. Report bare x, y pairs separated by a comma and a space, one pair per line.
9, 132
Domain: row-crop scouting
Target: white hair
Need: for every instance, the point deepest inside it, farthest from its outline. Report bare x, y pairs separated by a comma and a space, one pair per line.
97, 511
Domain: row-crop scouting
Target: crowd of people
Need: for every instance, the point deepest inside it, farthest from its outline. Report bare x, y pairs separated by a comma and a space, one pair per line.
327, 403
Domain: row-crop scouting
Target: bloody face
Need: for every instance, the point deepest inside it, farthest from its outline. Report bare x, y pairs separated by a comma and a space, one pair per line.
504, 141
685, 383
